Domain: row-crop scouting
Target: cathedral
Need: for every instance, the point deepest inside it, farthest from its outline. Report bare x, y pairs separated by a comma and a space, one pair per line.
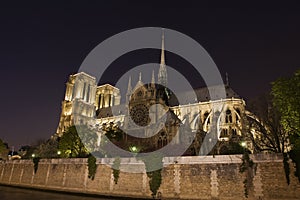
98, 106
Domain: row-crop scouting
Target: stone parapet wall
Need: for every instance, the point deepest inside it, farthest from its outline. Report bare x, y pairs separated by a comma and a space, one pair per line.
201, 177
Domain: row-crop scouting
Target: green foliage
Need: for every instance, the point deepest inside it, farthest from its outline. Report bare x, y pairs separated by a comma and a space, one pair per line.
3, 150
246, 162
247, 167
113, 132
152, 161
154, 165
286, 167
116, 169
232, 148
74, 144
26, 151
294, 155
92, 166
155, 181
47, 149
246, 192
286, 93
35, 161
2, 146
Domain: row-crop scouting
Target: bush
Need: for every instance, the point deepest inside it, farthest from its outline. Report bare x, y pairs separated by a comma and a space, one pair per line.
116, 169
92, 166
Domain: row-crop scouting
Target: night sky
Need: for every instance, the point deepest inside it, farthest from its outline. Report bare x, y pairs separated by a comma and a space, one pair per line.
41, 44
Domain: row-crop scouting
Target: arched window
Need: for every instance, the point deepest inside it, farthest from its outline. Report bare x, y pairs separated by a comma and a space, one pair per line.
234, 131
205, 116
162, 140
159, 142
237, 116
238, 111
228, 118
165, 141
224, 133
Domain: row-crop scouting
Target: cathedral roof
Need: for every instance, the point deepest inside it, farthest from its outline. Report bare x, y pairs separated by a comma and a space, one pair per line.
202, 95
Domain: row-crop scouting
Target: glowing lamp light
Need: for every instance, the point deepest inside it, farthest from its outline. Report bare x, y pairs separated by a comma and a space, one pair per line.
58, 152
243, 144
133, 149
33, 155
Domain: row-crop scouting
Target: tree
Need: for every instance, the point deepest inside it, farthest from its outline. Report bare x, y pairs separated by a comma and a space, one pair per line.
267, 133
3, 150
113, 132
26, 151
77, 141
286, 93
47, 149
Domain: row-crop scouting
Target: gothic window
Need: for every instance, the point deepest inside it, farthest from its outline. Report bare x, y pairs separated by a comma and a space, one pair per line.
140, 93
159, 142
88, 93
165, 141
151, 92
238, 111
237, 118
224, 133
206, 114
83, 92
228, 118
140, 114
234, 132
162, 140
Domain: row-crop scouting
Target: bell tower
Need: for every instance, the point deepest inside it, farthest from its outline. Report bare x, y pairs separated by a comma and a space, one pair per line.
78, 105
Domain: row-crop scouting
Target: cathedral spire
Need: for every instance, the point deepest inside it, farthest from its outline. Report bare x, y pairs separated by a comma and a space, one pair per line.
162, 73
227, 79
162, 55
153, 79
129, 89
140, 77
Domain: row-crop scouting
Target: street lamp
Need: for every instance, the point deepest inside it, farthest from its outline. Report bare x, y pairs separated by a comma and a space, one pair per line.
133, 149
243, 144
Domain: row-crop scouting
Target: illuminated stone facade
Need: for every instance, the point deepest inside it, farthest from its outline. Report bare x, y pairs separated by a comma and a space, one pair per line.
87, 103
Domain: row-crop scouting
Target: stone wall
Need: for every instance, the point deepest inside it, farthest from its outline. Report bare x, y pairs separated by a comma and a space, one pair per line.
198, 177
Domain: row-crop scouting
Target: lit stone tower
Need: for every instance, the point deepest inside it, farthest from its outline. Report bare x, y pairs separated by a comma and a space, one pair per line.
79, 103
162, 73
107, 96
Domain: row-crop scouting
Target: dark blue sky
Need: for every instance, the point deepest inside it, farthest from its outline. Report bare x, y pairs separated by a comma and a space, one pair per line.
41, 44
